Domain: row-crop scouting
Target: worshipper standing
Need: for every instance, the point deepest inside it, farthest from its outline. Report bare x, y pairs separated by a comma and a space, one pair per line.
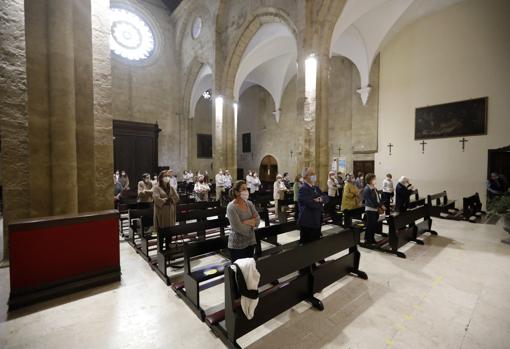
311, 203
201, 189
298, 183
494, 187
228, 181
341, 184
220, 184
249, 182
255, 182
360, 181
117, 190
279, 194
403, 192
350, 199
387, 192
145, 189
124, 180
117, 175
372, 206
286, 180
154, 180
173, 179
243, 218
332, 194
165, 202
207, 179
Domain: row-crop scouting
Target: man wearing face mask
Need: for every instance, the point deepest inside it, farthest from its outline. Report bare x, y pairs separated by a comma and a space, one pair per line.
244, 219
279, 194
165, 202
145, 189
311, 203
220, 184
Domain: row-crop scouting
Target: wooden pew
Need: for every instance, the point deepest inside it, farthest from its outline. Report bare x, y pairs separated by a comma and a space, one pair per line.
262, 202
171, 241
139, 225
415, 200
296, 261
403, 228
439, 203
270, 234
199, 279
202, 205
472, 207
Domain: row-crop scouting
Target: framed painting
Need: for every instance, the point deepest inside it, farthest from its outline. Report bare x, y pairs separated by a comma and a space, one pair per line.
456, 119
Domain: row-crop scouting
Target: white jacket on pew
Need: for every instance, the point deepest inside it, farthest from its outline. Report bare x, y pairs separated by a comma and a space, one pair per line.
251, 275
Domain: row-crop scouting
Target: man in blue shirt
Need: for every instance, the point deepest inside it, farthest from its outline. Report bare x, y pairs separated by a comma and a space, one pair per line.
311, 203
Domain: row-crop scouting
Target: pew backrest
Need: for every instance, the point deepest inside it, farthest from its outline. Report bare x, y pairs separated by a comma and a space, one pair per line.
356, 213
200, 215
435, 199
398, 221
202, 205
272, 231
199, 248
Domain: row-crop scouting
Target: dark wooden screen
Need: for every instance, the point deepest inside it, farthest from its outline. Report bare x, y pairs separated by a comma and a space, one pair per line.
366, 166
135, 148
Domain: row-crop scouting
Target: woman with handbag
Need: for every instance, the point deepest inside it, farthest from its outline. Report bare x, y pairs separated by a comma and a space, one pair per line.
373, 208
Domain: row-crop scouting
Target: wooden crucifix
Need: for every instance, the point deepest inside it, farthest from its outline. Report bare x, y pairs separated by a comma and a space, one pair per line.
339, 150
291, 152
390, 146
423, 146
463, 141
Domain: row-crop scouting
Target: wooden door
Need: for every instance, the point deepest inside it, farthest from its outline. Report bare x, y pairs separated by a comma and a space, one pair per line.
365, 166
135, 148
268, 169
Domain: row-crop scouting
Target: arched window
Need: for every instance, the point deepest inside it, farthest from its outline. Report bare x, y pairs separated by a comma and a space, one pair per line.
130, 36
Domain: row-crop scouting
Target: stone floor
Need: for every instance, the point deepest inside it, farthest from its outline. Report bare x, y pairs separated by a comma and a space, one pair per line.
451, 293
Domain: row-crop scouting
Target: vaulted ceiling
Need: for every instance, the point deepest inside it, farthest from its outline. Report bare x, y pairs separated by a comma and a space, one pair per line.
365, 26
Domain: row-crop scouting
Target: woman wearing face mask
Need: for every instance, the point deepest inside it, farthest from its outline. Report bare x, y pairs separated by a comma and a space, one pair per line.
244, 219
124, 180
201, 189
165, 202
372, 207
145, 189
255, 183
350, 198
311, 202
279, 194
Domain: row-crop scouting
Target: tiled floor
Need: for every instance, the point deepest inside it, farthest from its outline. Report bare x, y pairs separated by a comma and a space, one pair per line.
454, 292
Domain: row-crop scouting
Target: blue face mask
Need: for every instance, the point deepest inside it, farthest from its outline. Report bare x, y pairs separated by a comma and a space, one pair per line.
313, 178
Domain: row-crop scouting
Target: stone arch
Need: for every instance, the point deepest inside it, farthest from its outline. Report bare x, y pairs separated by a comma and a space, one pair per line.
268, 168
250, 27
191, 75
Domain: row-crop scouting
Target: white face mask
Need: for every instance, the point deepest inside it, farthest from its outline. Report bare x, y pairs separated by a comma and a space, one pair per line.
313, 178
166, 179
245, 194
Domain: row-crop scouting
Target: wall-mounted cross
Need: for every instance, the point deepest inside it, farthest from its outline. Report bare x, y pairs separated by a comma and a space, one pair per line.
463, 141
339, 150
291, 152
423, 146
390, 146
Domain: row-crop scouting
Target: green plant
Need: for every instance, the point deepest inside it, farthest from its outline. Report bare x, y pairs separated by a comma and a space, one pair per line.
500, 204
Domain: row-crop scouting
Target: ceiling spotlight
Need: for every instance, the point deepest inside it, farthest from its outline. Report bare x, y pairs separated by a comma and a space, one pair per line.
207, 94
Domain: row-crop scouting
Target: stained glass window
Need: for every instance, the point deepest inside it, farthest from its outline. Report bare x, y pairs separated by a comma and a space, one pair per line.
130, 36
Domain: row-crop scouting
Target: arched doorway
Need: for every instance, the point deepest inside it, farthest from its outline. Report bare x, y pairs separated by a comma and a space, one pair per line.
268, 169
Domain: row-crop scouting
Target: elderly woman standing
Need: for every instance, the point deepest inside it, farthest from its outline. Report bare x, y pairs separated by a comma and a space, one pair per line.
350, 198
165, 202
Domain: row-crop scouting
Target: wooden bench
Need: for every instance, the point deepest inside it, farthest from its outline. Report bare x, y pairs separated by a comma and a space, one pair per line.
202, 205
171, 241
138, 224
270, 234
302, 280
403, 228
415, 200
199, 279
472, 208
439, 203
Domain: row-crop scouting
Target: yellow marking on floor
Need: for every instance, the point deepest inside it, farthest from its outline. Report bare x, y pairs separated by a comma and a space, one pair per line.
389, 342
408, 317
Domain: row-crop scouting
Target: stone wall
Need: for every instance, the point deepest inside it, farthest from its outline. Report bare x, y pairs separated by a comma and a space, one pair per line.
200, 124
13, 113
149, 92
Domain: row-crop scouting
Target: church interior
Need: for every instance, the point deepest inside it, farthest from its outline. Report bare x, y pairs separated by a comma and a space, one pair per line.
254, 174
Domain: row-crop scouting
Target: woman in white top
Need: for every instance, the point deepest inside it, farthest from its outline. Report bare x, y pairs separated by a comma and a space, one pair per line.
256, 182
333, 187
201, 189
249, 182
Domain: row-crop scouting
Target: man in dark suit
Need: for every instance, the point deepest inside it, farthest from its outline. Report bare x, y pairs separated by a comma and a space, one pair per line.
311, 203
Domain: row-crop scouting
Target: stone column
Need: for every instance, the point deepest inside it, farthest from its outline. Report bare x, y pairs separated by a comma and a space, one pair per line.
13, 117
62, 106
321, 122
230, 132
